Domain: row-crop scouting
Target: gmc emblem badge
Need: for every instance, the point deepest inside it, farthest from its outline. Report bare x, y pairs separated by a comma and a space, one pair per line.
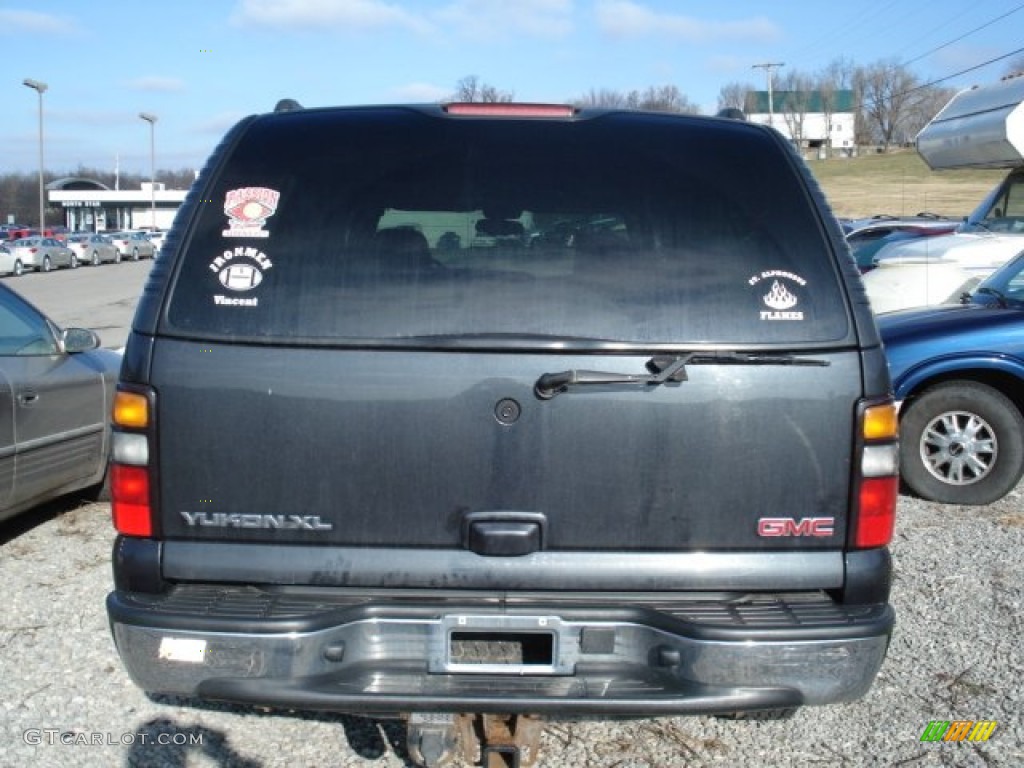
788, 526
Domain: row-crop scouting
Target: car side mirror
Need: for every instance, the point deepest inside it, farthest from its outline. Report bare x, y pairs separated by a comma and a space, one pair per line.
79, 340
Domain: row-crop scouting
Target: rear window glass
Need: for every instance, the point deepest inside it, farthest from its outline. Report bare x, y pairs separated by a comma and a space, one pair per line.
389, 224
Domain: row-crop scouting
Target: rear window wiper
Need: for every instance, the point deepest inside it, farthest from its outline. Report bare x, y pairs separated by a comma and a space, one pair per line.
662, 369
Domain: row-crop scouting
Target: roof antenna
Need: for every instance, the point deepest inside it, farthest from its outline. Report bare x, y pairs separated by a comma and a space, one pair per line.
287, 105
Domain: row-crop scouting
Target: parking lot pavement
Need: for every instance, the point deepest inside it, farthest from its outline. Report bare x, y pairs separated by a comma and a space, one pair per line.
102, 298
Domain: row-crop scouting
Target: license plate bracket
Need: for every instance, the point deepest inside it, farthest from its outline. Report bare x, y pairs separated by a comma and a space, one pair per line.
509, 645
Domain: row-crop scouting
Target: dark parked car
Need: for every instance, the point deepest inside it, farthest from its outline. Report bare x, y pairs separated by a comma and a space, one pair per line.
56, 391
384, 446
959, 370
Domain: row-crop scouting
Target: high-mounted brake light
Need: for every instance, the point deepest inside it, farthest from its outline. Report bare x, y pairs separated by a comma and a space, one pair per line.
507, 109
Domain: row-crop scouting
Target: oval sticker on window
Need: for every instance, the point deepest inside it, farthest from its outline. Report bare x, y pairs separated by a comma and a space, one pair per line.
240, 277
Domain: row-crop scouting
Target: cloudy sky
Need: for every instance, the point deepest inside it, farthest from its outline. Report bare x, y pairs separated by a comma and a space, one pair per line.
199, 65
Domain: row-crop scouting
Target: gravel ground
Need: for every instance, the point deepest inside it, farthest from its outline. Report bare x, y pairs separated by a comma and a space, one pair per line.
958, 653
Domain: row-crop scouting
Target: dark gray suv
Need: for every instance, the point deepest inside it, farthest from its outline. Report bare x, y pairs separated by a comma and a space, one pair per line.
477, 414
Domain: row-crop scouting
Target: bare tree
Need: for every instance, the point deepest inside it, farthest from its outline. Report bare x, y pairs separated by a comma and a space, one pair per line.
888, 90
840, 73
665, 98
926, 105
470, 88
602, 97
734, 95
794, 100
826, 88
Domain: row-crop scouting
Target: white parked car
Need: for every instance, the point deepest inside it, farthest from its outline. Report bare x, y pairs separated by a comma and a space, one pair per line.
894, 285
6, 261
979, 128
156, 237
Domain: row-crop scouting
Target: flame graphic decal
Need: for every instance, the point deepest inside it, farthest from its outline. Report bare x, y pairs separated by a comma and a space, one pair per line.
779, 298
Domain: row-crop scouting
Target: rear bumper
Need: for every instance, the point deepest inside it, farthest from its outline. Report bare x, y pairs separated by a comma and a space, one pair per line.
619, 657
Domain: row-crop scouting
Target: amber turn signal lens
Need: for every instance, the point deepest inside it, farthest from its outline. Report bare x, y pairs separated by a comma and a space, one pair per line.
881, 422
131, 410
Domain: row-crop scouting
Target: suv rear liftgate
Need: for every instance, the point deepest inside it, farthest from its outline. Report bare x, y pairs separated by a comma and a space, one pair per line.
480, 417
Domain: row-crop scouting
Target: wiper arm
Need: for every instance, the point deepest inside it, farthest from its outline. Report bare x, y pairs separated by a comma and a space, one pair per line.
663, 368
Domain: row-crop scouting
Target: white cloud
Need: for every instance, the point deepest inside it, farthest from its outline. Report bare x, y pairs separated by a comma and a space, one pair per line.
156, 83
13, 22
419, 93
338, 14
494, 19
625, 19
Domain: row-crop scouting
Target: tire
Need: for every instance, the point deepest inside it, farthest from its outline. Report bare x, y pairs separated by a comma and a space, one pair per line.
962, 442
46, 264
19, 268
74, 261
95, 260
117, 257
135, 254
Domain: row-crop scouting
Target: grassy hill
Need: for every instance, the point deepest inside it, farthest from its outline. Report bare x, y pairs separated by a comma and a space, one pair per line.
899, 183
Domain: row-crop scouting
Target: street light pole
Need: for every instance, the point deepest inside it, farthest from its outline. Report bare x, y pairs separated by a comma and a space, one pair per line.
150, 118
40, 87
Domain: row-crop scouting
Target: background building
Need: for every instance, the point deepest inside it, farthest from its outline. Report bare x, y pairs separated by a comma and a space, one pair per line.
90, 205
822, 121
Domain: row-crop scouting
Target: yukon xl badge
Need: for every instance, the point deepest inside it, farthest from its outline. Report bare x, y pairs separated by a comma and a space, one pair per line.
789, 526
282, 522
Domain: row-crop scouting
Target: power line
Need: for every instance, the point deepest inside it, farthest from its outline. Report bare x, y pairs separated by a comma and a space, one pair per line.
963, 71
965, 34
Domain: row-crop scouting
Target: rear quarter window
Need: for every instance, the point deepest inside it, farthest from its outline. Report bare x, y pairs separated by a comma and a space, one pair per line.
349, 226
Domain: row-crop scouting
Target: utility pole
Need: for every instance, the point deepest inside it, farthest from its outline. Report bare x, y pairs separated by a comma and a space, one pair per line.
768, 66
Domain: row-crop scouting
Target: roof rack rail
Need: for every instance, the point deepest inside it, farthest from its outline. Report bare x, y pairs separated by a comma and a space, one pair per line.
287, 105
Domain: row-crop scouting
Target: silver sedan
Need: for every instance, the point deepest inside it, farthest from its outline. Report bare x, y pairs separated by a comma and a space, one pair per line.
93, 249
56, 390
133, 245
42, 254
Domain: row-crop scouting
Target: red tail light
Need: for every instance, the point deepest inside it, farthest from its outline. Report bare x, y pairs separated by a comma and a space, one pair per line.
877, 478
129, 500
877, 514
131, 491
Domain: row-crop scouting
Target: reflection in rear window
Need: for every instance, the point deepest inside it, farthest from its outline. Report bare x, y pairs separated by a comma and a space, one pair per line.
356, 225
